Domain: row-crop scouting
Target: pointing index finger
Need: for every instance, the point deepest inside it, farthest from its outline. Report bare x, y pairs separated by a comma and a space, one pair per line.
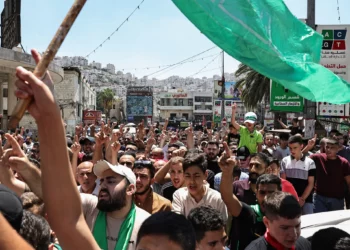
227, 149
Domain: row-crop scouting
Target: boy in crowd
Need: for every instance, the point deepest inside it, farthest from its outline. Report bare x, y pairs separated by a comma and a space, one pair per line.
249, 136
300, 171
166, 230
233, 135
196, 192
282, 220
209, 227
282, 150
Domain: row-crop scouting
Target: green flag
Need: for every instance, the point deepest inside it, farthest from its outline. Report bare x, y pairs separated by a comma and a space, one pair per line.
265, 35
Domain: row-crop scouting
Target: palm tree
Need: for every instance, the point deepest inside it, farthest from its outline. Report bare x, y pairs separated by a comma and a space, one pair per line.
105, 100
255, 88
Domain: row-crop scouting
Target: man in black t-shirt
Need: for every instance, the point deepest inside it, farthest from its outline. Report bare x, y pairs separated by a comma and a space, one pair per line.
282, 220
247, 221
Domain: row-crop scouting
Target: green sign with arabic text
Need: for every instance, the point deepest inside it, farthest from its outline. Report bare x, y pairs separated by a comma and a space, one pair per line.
282, 99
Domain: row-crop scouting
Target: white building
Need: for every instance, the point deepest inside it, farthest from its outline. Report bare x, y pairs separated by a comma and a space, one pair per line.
176, 105
110, 68
96, 65
74, 95
203, 106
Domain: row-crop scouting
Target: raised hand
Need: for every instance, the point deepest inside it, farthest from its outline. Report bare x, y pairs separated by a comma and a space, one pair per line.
115, 136
226, 161
234, 107
14, 157
311, 143
100, 138
76, 147
115, 146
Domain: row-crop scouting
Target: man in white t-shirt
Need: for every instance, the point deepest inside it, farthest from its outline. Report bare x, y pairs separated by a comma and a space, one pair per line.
113, 215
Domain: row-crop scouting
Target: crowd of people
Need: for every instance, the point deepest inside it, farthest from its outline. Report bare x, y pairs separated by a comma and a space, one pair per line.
234, 188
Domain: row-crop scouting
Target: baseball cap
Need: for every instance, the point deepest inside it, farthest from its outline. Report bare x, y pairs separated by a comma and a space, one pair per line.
103, 165
250, 117
11, 207
88, 138
243, 153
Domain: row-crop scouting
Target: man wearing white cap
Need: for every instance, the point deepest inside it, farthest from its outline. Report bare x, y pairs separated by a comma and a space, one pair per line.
250, 137
112, 216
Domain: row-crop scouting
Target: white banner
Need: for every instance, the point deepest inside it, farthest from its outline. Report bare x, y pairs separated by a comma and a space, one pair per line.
335, 57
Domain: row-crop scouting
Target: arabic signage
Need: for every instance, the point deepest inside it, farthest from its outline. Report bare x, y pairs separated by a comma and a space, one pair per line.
175, 95
282, 99
335, 57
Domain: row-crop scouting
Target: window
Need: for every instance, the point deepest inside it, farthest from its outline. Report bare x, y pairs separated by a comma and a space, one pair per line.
4, 112
185, 115
202, 99
181, 102
5, 93
190, 102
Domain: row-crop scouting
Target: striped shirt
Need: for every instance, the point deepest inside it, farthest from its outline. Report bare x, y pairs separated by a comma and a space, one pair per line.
298, 172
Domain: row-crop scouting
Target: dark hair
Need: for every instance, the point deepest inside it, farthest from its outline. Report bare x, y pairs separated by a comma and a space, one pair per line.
334, 131
173, 146
328, 238
36, 144
237, 171
145, 164
195, 160
33, 203
131, 143
204, 219
130, 152
269, 179
284, 136
343, 244
295, 119
295, 139
281, 204
35, 162
262, 157
274, 160
35, 230
212, 143
169, 224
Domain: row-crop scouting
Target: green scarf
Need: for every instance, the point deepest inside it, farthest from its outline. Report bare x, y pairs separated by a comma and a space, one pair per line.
124, 234
259, 214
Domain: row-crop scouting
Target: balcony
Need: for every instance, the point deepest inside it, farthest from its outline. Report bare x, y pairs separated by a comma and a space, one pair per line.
176, 108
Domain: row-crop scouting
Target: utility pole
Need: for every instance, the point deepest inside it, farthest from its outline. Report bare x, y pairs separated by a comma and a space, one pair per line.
309, 106
223, 87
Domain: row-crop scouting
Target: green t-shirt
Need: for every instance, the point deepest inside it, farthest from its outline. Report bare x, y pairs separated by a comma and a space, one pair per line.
250, 140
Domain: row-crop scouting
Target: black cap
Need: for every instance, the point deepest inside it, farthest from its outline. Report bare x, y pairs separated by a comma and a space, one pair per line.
243, 153
11, 207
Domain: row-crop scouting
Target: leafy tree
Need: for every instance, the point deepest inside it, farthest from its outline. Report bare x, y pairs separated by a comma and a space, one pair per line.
105, 100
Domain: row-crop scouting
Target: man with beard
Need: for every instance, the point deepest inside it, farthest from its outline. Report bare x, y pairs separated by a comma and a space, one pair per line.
212, 151
112, 216
245, 190
145, 198
88, 145
87, 179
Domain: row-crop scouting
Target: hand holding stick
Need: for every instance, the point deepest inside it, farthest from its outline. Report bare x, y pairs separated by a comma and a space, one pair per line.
41, 68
